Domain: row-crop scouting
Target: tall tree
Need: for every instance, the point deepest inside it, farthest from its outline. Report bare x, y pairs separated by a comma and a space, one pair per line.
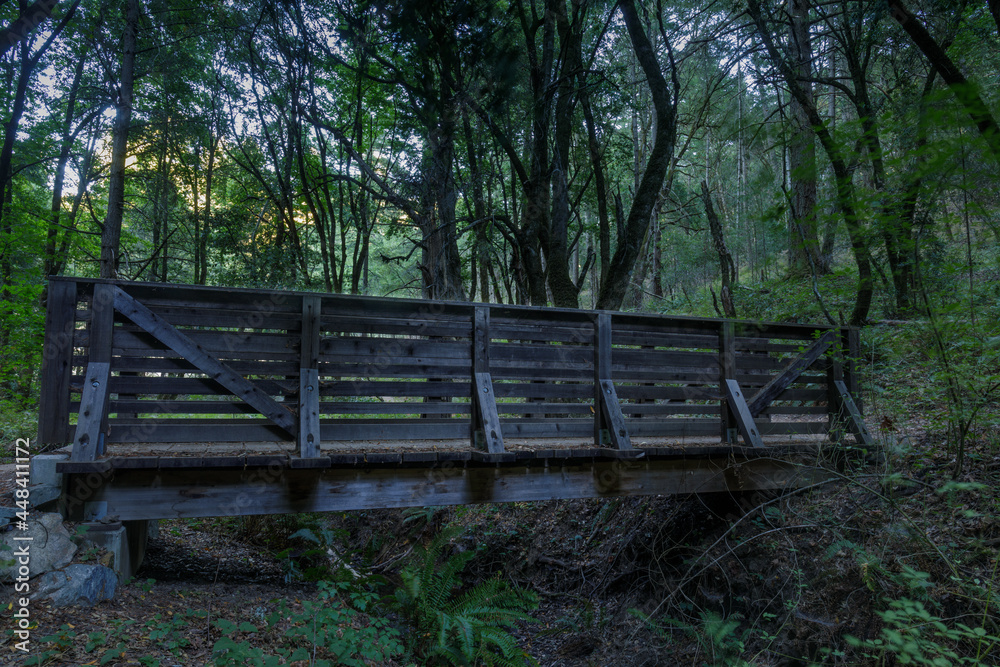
665, 104
111, 233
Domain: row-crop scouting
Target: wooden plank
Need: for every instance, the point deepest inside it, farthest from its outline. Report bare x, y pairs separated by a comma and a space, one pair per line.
541, 372
161, 494
311, 463
185, 430
612, 414
852, 414
792, 428
556, 428
779, 384
336, 348
123, 462
744, 420
493, 457
660, 339
83, 467
681, 393
207, 316
393, 408
273, 461
417, 429
57, 363
172, 364
226, 344
216, 369
309, 431
535, 408
673, 428
90, 423
669, 409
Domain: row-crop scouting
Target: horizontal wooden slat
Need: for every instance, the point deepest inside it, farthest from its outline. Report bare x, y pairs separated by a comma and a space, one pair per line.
333, 348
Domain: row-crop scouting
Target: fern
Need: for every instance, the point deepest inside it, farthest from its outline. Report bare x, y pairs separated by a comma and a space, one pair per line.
455, 626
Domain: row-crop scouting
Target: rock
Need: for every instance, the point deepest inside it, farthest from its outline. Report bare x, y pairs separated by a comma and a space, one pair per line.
78, 584
49, 548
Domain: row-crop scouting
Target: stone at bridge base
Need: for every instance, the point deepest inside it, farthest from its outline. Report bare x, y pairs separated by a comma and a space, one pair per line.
77, 584
50, 546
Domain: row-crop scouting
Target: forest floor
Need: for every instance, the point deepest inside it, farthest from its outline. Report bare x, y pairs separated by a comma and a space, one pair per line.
757, 580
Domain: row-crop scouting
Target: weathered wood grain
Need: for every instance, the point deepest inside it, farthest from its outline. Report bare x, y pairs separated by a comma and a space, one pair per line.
90, 423
165, 493
216, 369
57, 363
741, 413
775, 387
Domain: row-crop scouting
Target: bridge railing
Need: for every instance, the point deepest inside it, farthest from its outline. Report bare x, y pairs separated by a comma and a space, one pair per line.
137, 363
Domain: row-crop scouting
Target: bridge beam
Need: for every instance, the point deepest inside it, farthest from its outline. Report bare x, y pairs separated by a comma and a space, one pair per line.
136, 494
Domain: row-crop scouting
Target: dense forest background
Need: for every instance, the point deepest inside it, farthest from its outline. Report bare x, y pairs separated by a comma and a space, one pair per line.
672, 157
832, 161
580, 154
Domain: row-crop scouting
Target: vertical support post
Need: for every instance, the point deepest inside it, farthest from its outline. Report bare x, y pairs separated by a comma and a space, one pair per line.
727, 371
608, 417
57, 364
852, 346
309, 434
834, 374
92, 423
485, 418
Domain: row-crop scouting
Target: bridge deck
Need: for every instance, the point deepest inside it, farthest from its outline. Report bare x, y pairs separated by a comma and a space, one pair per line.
181, 400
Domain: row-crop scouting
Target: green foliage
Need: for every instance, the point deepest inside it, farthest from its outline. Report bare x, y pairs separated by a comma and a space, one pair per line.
455, 625
311, 563
721, 639
915, 636
344, 624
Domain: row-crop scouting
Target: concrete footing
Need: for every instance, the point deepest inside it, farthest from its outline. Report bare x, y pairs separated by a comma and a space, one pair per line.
125, 540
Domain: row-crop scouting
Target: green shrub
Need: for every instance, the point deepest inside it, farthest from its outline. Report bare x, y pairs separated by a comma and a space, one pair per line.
455, 626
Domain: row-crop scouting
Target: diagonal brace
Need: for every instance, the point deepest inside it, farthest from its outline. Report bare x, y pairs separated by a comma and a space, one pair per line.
849, 409
217, 370
775, 387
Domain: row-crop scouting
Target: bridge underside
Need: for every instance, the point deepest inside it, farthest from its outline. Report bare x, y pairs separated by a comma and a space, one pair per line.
167, 487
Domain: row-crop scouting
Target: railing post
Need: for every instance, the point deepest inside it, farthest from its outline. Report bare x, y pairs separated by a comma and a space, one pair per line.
309, 432
485, 418
92, 424
727, 371
608, 417
852, 346
57, 364
834, 374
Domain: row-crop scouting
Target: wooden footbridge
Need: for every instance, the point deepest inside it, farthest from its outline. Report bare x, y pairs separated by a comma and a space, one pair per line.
184, 401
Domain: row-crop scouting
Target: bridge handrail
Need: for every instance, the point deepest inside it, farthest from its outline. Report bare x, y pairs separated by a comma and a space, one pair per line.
149, 362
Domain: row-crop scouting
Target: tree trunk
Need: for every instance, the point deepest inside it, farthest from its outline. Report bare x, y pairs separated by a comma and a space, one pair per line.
111, 234
845, 184
966, 93
803, 242
441, 263
727, 268
629, 245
